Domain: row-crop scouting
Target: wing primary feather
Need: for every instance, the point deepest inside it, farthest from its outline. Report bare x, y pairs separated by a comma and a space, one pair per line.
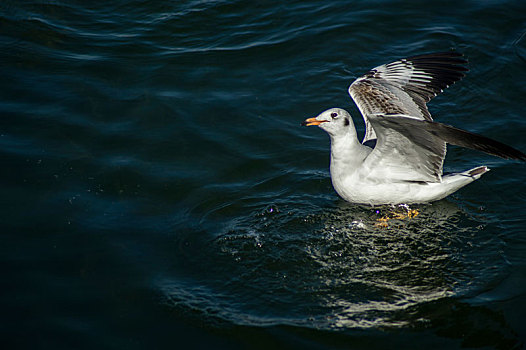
420, 130
406, 85
467, 139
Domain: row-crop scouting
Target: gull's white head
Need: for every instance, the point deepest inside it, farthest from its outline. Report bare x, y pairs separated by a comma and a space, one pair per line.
334, 121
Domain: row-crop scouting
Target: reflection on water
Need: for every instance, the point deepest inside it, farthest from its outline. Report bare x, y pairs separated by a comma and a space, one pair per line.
339, 269
384, 270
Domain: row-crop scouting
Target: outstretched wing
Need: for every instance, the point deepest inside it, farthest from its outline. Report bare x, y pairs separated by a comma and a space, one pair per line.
410, 149
403, 153
405, 86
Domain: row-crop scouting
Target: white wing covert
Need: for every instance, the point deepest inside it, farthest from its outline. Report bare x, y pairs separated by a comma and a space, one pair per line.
404, 151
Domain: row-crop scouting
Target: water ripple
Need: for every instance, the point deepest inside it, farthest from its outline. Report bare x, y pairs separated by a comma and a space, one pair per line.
156, 146
349, 271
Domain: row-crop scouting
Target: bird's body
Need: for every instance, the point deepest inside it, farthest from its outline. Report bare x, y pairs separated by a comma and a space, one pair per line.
359, 179
405, 165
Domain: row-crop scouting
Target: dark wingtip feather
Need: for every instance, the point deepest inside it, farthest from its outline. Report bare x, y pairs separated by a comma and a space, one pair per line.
445, 68
449, 56
427, 130
467, 139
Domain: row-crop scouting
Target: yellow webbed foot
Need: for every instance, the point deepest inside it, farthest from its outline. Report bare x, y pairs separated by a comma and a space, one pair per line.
407, 213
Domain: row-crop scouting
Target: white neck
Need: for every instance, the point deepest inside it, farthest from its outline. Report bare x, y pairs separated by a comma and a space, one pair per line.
347, 154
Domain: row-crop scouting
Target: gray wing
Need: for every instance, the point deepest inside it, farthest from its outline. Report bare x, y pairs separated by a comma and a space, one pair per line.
410, 149
403, 151
405, 86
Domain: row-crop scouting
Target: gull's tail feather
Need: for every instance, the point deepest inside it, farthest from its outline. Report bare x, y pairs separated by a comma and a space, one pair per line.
476, 173
453, 182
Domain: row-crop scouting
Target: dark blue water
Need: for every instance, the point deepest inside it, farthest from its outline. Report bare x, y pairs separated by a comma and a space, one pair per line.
158, 191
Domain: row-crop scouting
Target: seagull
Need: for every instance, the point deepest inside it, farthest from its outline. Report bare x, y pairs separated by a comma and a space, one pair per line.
401, 156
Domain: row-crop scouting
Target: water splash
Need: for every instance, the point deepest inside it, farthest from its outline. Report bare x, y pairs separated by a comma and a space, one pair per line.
338, 269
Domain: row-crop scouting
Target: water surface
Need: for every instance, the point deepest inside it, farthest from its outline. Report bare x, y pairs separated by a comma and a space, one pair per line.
158, 190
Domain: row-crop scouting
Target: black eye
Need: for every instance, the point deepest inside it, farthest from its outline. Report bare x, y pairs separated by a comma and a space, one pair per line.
334, 115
